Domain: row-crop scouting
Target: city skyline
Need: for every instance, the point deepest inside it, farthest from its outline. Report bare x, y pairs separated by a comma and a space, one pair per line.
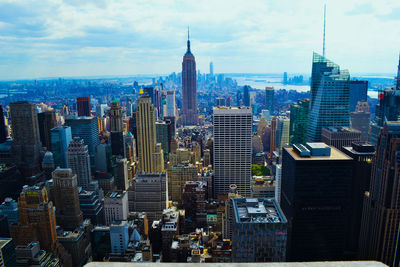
55, 38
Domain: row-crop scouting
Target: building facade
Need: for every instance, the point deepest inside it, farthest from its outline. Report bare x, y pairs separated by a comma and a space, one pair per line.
26, 137
60, 138
298, 121
78, 160
116, 206
361, 119
66, 198
232, 149
149, 193
269, 99
329, 102
380, 219
316, 200
86, 128
259, 231
83, 106
189, 88
340, 136
358, 93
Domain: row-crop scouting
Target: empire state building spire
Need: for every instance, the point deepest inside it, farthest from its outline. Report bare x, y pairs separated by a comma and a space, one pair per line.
188, 52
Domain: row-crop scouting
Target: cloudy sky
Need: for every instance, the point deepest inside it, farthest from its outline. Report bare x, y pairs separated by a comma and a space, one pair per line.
52, 38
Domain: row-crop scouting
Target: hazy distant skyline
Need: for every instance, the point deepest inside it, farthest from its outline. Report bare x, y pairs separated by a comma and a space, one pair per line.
52, 38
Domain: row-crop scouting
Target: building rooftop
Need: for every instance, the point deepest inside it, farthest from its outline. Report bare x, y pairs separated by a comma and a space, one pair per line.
334, 155
342, 129
361, 148
257, 210
223, 109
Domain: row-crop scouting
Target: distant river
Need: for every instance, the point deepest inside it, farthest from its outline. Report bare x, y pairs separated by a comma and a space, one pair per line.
260, 82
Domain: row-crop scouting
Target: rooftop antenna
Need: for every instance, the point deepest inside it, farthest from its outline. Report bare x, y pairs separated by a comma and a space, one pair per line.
323, 44
188, 33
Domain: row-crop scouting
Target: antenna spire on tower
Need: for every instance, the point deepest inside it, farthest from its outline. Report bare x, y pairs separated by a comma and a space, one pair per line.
188, 42
323, 43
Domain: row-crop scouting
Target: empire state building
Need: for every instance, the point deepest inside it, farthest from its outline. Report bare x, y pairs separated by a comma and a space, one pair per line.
189, 88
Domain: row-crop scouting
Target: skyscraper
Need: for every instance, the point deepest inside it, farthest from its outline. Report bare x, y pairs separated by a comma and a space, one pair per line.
37, 221
148, 90
358, 92
272, 138
282, 132
171, 110
78, 160
119, 236
329, 103
68, 212
117, 134
232, 149
116, 116
149, 193
360, 120
246, 96
316, 200
25, 133
3, 132
269, 99
83, 106
116, 206
362, 154
86, 128
189, 88
146, 134
398, 76
380, 220
259, 231
60, 138
340, 136
46, 121
211, 68
388, 109
162, 134
298, 121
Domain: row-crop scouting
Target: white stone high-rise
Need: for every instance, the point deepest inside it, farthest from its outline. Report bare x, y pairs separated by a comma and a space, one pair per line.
232, 149
79, 161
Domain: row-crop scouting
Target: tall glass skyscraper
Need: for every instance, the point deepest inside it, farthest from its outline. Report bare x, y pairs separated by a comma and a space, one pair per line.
329, 101
60, 138
86, 128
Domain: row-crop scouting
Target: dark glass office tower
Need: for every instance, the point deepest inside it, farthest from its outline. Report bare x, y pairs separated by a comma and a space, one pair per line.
362, 154
316, 200
269, 99
246, 96
83, 106
358, 92
380, 220
329, 103
47, 121
298, 121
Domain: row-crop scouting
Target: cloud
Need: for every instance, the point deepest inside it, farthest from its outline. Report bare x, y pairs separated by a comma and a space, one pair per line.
100, 37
